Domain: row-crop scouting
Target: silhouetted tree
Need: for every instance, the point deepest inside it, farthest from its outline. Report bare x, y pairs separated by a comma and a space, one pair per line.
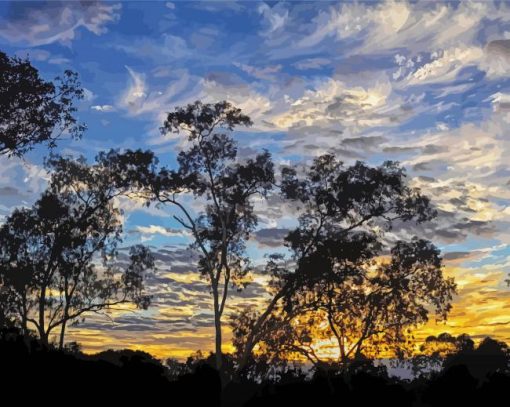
367, 312
454, 386
210, 169
175, 369
336, 277
433, 352
58, 259
490, 356
32, 110
446, 344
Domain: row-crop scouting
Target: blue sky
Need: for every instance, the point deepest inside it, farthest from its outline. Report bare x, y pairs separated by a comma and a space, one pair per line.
424, 83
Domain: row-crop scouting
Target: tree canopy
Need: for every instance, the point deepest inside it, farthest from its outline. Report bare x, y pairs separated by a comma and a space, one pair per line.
59, 259
337, 283
210, 169
33, 110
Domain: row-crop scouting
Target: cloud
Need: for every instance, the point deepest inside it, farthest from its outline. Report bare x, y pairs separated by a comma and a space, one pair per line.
457, 34
391, 25
451, 257
270, 237
243, 95
134, 96
478, 309
312, 63
352, 19
180, 319
103, 108
21, 183
38, 24
464, 172
347, 102
167, 48
445, 65
40, 55
336, 105
9, 191
500, 102
266, 73
204, 38
140, 98
275, 17
160, 230
220, 6
497, 60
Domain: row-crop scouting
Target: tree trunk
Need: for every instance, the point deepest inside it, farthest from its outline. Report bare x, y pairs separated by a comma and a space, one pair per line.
217, 327
65, 318
24, 314
62, 334
24, 325
251, 340
41, 328
43, 336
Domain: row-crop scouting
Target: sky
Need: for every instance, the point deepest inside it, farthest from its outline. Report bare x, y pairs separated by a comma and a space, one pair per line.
423, 83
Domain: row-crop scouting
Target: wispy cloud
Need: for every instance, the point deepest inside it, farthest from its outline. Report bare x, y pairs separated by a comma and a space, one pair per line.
55, 21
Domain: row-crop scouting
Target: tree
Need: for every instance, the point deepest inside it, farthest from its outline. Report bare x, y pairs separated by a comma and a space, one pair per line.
209, 169
59, 259
368, 313
446, 344
336, 277
434, 351
489, 356
34, 111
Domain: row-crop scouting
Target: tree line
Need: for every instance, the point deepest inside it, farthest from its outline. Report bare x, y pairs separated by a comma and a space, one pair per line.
343, 277
466, 374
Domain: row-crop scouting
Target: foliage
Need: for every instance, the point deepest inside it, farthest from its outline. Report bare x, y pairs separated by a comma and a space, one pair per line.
34, 111
345, 280
59, 258
208, 168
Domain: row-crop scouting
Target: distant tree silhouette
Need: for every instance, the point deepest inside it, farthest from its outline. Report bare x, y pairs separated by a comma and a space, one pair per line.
175, 369
454, 386
490, 356
210, 169
121, 376
58, 259
32, 110
25, 361
432, 353
335, 278
446, 344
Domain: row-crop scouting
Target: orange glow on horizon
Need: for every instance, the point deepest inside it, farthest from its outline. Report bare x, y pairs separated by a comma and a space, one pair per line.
478, 310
